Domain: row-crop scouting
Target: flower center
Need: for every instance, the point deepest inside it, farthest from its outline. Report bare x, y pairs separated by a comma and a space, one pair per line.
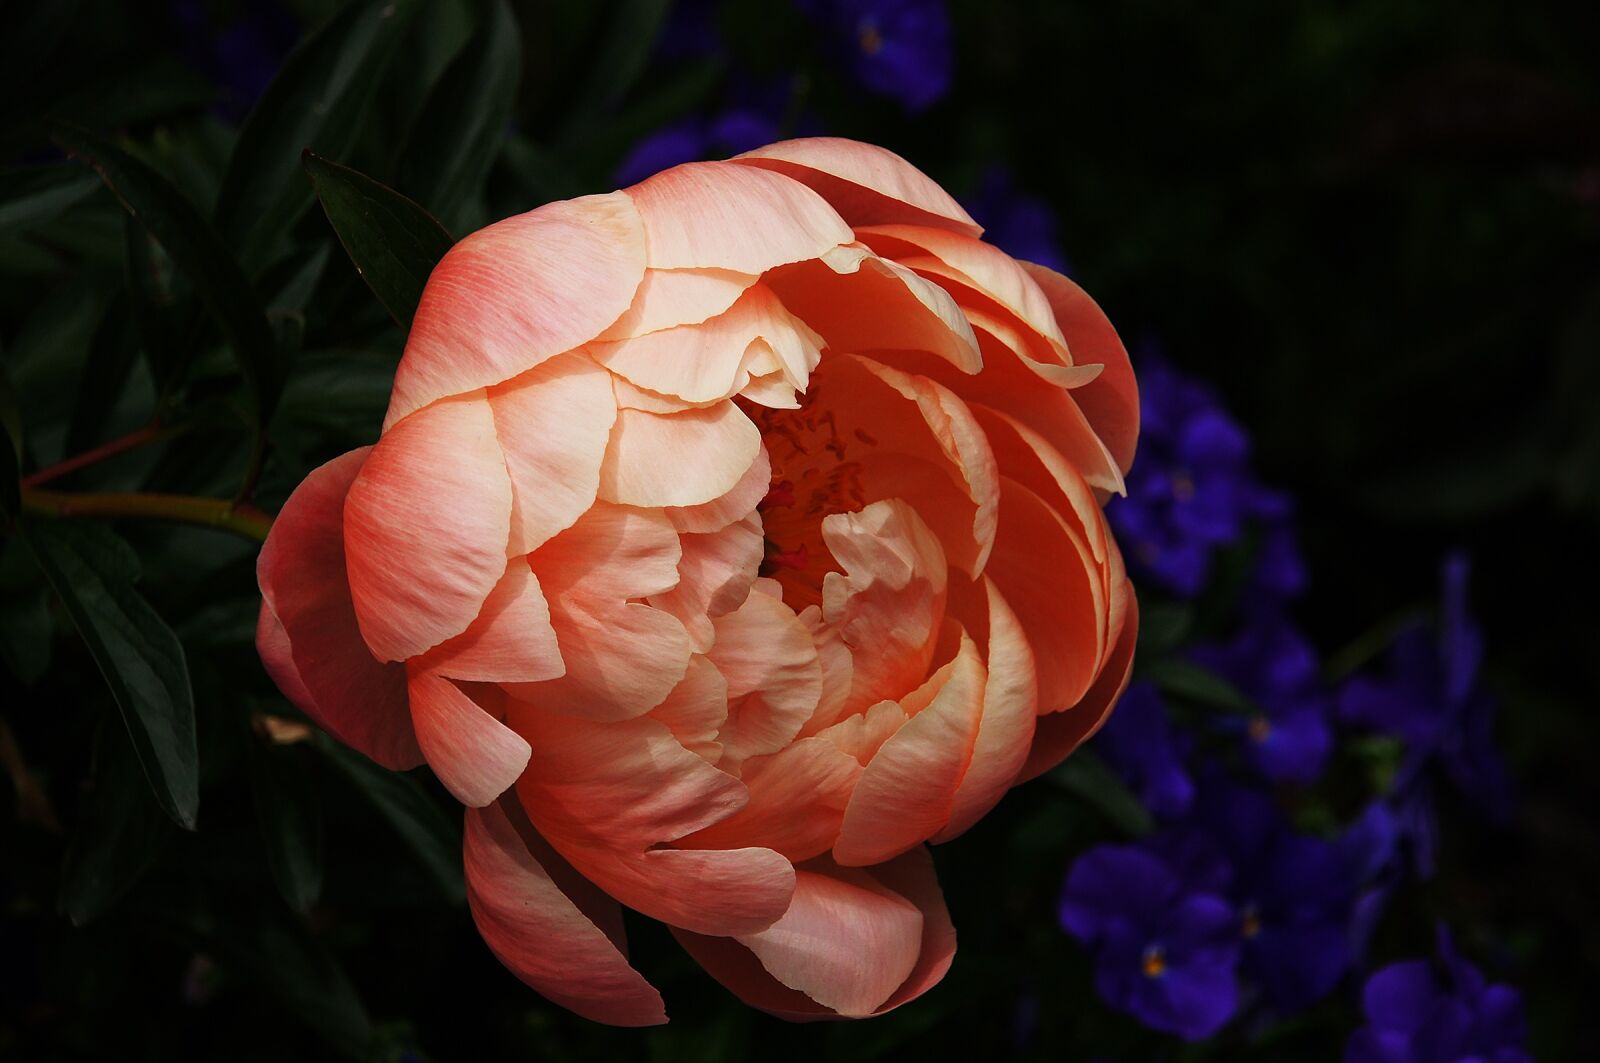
1154, 963
1250, 925
1260, 729
869, 37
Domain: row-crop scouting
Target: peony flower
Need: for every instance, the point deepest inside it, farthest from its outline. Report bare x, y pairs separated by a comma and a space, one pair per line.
729, 539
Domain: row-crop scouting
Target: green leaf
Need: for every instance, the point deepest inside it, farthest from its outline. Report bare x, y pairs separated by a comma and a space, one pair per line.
393, 242
460, 128
290, 819
35, 194
622, 56
1163, 626
410, 811
1183, 679
197, 250
316, 102
1088, 777
119, 835
92, 571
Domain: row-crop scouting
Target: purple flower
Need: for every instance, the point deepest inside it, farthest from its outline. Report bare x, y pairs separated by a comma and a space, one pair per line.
1021, 225
1162, 953
898, 48
1431, 700
728, 133
1274, 665
1418, 1012
1192, 490
1140, 745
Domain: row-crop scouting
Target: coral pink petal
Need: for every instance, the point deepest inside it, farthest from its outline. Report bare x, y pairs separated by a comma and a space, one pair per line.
609, 796
889, 603
695, 709
1028, 458
1060, 733
860, 303
511, 641
740, 501
714, 577
866, 184
425, 527
907, 792
737, 968
668, 298
308, 636
679, 459
476, 756
553, 424
610, 552
1111, 402
774, 678
708, 215
1005, 733
847, 941
912, 876
518, 292
623, 660
797, 801
542, 921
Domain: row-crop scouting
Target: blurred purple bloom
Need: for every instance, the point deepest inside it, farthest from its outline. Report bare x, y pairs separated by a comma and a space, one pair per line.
901, 49
728, 133
1431, 700
1192, 490
1421, 1013
1141, 745
1274, 665
1162, 953
241, 57
1021, 225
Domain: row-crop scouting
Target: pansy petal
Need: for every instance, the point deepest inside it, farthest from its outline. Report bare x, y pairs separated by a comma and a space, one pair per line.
543, 921
518, 292
308, 636
475, 755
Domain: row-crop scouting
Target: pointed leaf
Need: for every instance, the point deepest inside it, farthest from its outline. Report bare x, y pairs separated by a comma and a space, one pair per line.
92, 571
35, 194
315, 102
393, 242
1091, 779
119, 834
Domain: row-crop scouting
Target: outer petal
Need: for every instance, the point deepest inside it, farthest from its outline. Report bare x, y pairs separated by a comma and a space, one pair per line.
518, 292
553, 424
867, 185
543, 921
703, 214
475, 755
511, 641
308, 636
1058, 734
1111, 402
610, 796
425, 528
678, 459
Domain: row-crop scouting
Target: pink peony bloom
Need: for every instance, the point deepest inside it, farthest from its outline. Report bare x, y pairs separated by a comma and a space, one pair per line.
729, 539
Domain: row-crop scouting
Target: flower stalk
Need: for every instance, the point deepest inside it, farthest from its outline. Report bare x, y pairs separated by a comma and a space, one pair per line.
238, 518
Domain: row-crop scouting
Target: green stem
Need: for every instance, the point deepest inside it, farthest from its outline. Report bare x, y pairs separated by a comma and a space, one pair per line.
216, 513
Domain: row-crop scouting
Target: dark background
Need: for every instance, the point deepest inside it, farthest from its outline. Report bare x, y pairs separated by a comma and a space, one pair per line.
1372, 225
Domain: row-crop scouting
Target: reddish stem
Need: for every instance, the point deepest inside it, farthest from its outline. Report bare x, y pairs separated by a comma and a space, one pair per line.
148, 434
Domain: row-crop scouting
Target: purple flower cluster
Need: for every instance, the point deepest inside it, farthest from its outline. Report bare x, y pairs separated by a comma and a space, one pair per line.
901, 49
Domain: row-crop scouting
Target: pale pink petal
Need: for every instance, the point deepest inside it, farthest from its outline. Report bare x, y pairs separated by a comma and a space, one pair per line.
623, 659
838, 670
518, 292
608, 796
866, 184
308, 636
425, 527
1005, 733
907, 791
860, 303
553, 424
476, 756
774, 679
847, 941
797, 801
1061, 604
671, 297
679, 459
696, 709
740, 501
707, 214
1112, 402
511, 641
889, 602
542, 920
1059, 733
863, 734
714, 576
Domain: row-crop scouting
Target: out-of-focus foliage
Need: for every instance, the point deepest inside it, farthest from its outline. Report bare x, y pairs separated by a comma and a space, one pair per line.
1366, 232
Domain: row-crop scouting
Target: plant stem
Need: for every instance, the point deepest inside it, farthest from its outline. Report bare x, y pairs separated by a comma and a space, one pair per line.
216, 513
148, 434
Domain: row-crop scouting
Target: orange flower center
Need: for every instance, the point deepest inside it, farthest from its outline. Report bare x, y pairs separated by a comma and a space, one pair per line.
1154, 964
